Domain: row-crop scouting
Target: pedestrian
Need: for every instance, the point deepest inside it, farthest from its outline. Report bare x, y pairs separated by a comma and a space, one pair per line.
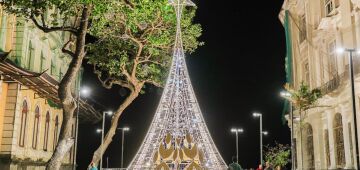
93, 166
268, 166
260, 167
234, 165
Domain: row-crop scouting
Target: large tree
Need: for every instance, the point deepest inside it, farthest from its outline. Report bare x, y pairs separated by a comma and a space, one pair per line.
135, 49
72, 16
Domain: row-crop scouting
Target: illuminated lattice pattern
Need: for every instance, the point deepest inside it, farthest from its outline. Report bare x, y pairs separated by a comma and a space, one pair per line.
178, 113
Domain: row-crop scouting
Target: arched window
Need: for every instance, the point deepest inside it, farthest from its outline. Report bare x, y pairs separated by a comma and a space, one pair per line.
36, 127
327, 148
308, 155
56, 130
339, 141
24, 113
46, 134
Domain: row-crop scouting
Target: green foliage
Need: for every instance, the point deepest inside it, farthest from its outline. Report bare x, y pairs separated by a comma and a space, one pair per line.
53, 13
278, 155
304, 98
138, 36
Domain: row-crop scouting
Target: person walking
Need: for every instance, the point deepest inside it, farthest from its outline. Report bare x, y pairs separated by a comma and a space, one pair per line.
268, 166
260, 167
93, 166
234, 165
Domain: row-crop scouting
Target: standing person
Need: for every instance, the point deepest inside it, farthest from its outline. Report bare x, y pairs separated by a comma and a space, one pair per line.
260, 167
234, 165
93, 166
268, 166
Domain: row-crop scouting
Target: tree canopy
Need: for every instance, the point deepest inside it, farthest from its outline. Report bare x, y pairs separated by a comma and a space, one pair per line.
134, 47
55, 15
136, 41
278, 155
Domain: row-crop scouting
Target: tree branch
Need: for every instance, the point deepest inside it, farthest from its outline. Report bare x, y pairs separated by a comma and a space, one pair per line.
129, 4
47, 29
154, 83
66, 51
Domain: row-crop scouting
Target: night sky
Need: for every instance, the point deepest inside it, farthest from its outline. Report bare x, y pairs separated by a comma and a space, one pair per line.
238, 71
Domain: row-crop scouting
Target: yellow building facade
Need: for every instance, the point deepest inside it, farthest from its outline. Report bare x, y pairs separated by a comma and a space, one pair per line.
317, 29
30, 119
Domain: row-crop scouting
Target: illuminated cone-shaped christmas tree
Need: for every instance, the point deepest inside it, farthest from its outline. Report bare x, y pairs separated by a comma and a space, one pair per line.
178, 137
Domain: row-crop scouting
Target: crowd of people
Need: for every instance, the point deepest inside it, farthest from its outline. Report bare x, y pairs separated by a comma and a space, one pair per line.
267, 166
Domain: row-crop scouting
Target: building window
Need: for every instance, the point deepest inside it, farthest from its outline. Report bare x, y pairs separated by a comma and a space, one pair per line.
24, 113
329, 7
327, 148
307, 73
351, 144
61, 74
53, 66
302, 31
56, 130
332, 61
46, 134
339, 141
42, 62
36, 128
30, 56
308, 155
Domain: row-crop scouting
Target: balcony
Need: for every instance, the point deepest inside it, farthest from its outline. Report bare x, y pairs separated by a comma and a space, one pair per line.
339, 79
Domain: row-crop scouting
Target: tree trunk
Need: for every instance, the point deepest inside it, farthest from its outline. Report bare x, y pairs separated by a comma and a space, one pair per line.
114, 123
65, 94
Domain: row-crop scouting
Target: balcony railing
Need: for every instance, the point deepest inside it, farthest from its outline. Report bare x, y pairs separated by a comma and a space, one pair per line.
339, 79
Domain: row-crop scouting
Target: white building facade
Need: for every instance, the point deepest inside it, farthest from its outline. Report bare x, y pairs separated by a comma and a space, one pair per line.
317, 28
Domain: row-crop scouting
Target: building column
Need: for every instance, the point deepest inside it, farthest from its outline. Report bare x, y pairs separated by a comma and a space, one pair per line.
317, 139
330, 116
346, 118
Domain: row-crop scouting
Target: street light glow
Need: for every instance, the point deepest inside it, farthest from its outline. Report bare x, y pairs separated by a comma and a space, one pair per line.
340, 50
285, 94
98, 130
265, 133
239, 130
256, 114
85, 91
109, 113
126, 128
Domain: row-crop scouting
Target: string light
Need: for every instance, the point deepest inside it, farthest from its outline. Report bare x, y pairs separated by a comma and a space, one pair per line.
178, 112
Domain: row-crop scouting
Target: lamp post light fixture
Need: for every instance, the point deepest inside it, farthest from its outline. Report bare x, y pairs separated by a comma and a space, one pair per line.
352, 83
102, 134
265, 133
259, 115
237, 131
287, 96
123, 130
83, 91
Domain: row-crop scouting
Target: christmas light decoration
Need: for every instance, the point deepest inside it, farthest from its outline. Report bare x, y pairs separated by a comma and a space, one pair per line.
178, 123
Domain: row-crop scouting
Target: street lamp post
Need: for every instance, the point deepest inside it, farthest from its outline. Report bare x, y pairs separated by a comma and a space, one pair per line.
102, 135
85, 91
351, 70
237, 131
123, 130
259, 115
287, 95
